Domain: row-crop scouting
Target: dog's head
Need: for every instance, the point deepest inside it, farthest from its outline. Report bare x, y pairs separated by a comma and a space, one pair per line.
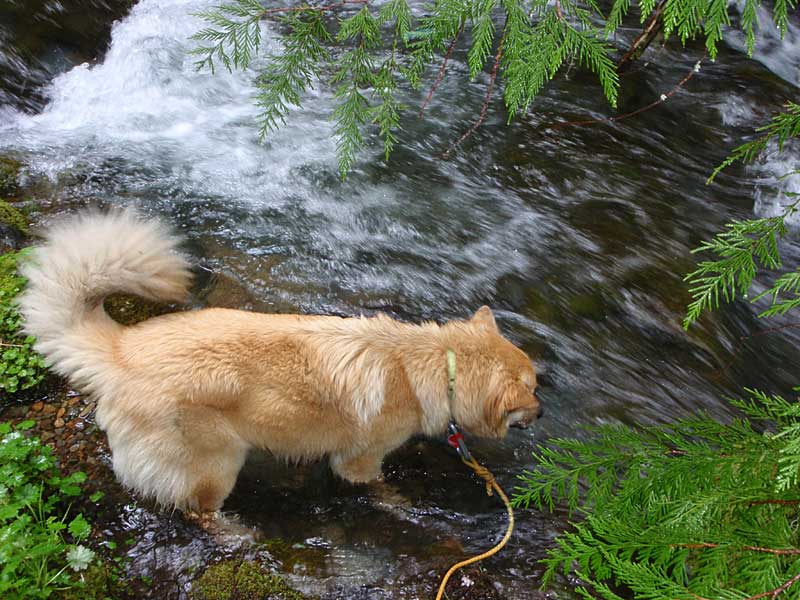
499, 388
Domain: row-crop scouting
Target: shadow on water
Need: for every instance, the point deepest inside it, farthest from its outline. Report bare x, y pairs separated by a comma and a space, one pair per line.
579, 237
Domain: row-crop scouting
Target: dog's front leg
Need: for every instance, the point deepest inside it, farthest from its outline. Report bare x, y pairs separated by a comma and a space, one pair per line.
360, 468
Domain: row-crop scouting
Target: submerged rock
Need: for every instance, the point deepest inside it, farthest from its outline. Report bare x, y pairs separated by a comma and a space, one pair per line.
42, 38
129, 310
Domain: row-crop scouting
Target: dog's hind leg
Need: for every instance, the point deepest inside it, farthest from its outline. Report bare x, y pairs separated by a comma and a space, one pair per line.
216, 455
212, 477
188, 459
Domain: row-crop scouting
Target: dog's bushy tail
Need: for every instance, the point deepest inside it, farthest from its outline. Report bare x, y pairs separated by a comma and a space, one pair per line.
84, 259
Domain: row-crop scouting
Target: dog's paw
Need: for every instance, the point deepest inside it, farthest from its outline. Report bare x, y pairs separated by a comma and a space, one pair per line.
389, 497
227, 530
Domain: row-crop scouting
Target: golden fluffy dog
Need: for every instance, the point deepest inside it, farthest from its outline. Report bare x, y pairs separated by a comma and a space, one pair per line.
183, 396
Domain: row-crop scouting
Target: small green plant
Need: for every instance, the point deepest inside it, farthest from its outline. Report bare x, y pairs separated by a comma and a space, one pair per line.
20, 366
41, 549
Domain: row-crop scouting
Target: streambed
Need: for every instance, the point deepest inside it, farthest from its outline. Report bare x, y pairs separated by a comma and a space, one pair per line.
578, 237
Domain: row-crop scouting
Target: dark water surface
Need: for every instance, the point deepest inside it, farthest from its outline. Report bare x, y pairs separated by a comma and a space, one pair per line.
577, 236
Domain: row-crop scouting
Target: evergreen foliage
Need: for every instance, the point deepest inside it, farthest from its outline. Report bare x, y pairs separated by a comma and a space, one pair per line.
697, 509
368, 54
692, 509
748, 245
743, 248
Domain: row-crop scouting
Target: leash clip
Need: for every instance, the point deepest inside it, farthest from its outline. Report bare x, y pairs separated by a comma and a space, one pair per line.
457, 441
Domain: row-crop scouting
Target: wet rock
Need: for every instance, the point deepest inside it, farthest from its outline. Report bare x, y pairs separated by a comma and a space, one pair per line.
130, 310
614, 225
241, 580
43, 38
58, 423
37, 406
588, 306
471, 584
297, 558
223, 291
10, 238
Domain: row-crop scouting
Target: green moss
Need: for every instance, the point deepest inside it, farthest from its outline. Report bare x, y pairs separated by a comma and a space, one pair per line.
241, 580
9, 171
11, 216
95, 583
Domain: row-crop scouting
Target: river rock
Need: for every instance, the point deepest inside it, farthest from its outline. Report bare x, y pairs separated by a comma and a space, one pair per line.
42, 38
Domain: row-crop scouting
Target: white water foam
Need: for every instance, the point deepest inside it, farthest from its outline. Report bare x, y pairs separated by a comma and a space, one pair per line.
147, 103
781, 55
778, 186
145, 124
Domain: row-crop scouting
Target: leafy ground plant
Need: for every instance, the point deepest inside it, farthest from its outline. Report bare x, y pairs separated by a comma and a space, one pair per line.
697, 509
42, 544
20, 366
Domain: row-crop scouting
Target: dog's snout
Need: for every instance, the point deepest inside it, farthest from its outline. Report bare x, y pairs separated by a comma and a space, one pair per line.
519, 425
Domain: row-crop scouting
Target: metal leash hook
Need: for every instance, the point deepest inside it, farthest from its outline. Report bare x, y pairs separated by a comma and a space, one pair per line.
457, 441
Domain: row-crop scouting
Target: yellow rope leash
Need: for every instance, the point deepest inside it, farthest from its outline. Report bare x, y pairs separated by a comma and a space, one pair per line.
483, 473
491, 483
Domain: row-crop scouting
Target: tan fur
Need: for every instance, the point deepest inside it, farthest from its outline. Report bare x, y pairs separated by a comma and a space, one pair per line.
183, 396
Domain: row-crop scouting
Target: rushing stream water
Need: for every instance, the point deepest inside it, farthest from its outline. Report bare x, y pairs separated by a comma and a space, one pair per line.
578, 236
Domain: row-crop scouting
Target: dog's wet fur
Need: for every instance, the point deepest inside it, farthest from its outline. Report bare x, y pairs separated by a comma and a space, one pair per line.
183, 396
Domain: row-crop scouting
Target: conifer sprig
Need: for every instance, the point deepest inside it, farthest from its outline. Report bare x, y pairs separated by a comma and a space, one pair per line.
287, 76
749, 245
692, 509
233, 36
743, 248
781, 127
538, 37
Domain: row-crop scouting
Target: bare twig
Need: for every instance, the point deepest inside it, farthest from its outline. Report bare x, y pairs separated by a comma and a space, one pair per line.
487, 98
558, 10
651, 29
4, 345
786, 502
663, 98
778, 590
442, 69
325, 7
777, 551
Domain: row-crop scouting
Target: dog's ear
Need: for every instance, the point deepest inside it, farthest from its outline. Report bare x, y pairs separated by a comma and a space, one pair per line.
485, 318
